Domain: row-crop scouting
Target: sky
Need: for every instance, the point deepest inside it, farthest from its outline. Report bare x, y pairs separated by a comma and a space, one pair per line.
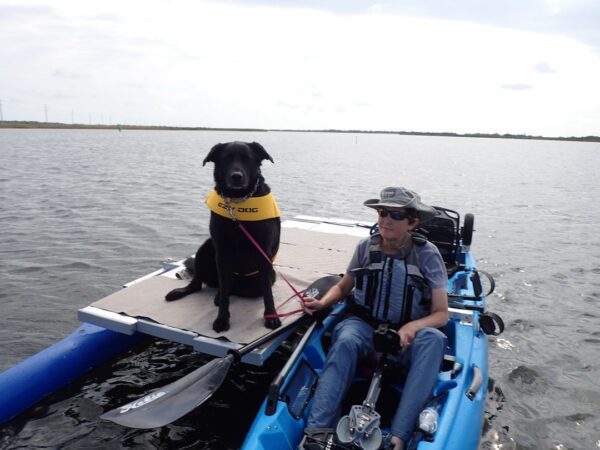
463, 66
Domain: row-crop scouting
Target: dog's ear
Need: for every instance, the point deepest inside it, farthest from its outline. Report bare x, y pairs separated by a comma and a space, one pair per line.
212, 154
261, 152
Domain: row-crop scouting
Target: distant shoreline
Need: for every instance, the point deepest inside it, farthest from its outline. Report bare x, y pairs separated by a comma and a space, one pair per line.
57, 125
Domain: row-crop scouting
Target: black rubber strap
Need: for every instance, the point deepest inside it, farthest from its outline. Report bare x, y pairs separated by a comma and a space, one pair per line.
491, 324
490, 279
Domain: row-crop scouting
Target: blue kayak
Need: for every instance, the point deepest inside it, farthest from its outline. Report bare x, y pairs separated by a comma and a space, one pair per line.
460, 393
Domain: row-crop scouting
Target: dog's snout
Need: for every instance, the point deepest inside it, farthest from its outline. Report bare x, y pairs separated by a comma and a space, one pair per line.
237, 178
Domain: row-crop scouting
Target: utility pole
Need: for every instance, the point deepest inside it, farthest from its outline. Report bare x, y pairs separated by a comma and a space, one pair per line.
72, 118
1, 116
46, 112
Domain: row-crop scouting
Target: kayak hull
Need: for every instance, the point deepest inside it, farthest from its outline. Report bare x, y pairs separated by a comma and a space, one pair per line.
461, 412
460, 417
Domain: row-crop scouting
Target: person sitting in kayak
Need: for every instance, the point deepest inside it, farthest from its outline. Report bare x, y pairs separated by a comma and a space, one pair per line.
394, 277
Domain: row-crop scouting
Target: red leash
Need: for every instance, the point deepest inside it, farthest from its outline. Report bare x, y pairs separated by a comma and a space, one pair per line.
262, 252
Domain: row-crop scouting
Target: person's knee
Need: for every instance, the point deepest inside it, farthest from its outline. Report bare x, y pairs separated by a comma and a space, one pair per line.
348, 342
353, 337
430, 337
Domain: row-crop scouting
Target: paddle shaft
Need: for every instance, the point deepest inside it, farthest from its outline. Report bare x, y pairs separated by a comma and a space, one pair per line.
239, 353
276, 384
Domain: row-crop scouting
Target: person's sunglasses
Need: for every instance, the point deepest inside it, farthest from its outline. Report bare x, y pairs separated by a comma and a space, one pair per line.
396, 215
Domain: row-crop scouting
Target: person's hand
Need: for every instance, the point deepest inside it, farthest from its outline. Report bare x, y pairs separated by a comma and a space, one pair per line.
407, 334
310, 305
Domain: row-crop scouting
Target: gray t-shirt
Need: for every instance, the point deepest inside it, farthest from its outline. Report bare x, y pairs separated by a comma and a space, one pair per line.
431, 263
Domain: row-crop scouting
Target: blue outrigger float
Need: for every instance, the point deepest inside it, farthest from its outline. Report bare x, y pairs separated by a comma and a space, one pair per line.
312, 248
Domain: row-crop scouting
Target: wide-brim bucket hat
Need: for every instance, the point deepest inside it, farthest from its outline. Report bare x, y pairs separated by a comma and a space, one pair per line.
400, 197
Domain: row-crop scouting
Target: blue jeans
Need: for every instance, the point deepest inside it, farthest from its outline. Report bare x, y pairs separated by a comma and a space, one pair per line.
353, 342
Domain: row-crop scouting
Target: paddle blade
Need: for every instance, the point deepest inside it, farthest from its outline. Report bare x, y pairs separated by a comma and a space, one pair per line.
169, 403
319, 288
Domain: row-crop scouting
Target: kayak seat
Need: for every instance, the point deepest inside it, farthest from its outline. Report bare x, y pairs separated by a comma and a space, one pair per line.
444, 232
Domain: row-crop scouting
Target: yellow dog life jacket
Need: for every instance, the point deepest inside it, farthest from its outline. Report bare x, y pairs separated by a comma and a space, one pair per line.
254, 208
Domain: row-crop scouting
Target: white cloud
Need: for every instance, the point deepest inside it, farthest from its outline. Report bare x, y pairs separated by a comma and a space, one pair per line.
197, 63
376, 8
517, 86
543, 67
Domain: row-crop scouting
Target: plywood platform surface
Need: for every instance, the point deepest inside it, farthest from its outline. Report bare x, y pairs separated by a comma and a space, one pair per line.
304, 256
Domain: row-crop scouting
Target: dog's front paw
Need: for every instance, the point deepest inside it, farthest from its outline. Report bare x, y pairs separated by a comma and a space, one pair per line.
272, 322
221, 324
176, 294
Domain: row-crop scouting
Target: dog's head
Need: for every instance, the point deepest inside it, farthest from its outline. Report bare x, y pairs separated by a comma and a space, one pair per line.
237, 167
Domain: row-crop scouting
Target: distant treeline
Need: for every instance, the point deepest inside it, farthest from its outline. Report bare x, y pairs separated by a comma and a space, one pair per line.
81, 126
31, 124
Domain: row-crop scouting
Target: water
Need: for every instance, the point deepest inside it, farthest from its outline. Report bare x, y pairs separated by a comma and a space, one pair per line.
84, 211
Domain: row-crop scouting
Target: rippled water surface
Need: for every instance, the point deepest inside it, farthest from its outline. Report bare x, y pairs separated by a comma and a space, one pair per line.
82, 212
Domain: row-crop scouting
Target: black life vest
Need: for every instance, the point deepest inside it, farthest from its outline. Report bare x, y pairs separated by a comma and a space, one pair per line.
391, 289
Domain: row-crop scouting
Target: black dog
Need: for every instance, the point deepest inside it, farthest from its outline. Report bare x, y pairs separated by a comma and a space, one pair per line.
228, 259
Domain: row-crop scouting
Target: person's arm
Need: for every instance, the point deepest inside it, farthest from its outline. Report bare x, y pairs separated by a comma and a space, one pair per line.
437, 318
331, 297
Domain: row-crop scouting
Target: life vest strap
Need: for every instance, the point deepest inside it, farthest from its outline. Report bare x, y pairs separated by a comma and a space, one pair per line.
363, 313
